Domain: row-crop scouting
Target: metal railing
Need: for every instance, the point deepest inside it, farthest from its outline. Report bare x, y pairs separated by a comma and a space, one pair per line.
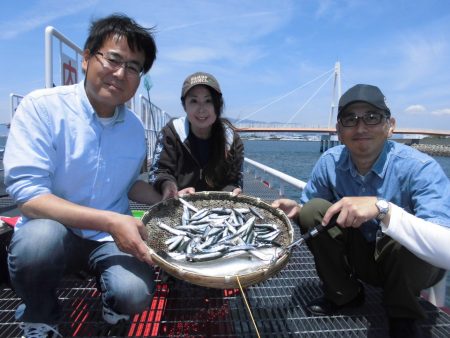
64, 42
153, 119
14, 100
272, 177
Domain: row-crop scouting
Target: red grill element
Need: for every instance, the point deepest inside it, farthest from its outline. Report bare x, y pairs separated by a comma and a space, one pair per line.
82, 311
205, 313
147, 324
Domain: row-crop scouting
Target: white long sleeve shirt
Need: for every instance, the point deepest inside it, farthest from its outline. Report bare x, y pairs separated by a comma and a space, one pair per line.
427, 240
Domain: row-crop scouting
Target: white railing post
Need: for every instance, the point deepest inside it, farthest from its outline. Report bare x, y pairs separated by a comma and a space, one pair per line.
14, 100
51, 32
49, 57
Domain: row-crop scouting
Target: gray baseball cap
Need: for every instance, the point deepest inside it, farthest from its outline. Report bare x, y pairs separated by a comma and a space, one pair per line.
200, 78
363, 93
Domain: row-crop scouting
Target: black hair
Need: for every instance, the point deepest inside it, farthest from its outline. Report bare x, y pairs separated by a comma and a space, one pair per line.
219, 170
220, 167
138, 38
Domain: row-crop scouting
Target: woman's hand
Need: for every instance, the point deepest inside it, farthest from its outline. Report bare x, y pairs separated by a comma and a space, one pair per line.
236, 191
169, 190
186, 191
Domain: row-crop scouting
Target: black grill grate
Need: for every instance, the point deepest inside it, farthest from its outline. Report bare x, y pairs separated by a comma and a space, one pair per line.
182, 309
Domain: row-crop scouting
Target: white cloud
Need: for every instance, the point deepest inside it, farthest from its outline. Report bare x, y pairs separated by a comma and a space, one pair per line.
415, 109
418, 109
223, 19
324, 6
194, 54
421, 55
441, 112
41, 13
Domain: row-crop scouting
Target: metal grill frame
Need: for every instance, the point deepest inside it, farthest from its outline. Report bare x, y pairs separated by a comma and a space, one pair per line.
183, 309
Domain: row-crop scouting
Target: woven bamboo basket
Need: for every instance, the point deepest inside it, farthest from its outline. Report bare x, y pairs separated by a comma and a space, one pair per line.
214, 274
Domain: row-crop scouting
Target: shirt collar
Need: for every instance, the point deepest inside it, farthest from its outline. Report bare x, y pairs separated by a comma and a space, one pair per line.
379, 168
89, 111
346, 163
120, 113
381, 163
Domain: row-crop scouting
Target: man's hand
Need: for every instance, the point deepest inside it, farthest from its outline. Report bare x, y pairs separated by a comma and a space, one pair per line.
129, 234
290, 207
354, 211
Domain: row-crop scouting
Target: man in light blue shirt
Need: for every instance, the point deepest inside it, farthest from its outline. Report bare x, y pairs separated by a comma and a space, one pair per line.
72, 162
362, 187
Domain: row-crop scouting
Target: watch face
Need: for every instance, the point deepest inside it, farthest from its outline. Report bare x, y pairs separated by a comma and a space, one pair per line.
383, 204
383, 208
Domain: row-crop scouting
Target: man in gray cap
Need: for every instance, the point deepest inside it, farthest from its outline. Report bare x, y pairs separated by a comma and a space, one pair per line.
356, 191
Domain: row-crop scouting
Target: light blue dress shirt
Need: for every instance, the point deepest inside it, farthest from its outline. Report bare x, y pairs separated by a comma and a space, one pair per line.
58, 145
402, 175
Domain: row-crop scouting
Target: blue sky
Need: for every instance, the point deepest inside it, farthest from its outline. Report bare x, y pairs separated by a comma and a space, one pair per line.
265, 53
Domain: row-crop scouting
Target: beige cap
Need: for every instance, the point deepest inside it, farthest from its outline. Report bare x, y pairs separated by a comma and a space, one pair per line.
200, 78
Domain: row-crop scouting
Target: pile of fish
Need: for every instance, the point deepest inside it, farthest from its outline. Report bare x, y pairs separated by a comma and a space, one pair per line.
210, 234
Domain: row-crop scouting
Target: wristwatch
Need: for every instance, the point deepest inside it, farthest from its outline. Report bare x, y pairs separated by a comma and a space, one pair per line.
383, 208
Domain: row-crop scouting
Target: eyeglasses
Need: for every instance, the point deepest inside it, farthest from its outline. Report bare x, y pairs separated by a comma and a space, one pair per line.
114, 62
369, 118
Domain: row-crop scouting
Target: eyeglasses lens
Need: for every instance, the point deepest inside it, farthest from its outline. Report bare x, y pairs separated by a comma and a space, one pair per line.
112, 62
369, 119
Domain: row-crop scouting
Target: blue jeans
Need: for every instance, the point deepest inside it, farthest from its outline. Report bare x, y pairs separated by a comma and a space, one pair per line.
43, 250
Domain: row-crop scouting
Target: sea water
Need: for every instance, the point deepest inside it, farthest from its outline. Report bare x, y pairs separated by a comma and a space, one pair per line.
297, 159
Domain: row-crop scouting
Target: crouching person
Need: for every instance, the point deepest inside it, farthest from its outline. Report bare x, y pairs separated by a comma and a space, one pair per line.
365, 185
73, 178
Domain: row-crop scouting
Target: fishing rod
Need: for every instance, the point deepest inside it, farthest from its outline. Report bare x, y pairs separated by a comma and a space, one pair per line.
313, 232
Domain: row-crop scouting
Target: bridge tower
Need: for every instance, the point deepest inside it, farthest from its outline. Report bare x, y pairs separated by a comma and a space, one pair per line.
328, 140
336, 90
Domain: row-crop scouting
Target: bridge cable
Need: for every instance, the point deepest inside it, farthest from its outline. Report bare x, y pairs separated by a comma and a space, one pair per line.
283, 96
309, 100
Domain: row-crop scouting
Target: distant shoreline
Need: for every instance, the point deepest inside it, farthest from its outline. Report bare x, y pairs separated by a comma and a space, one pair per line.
433, 149
430, 146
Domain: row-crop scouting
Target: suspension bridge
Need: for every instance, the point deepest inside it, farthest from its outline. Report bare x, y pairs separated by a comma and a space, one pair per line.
282, 129
335, 74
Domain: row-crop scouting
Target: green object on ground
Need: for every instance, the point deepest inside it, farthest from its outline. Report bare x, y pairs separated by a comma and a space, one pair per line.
137, 213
